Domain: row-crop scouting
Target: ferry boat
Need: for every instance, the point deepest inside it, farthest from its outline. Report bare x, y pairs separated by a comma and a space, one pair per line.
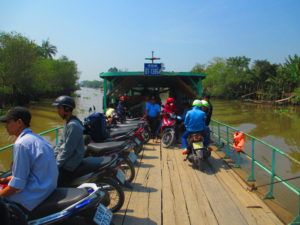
167, 190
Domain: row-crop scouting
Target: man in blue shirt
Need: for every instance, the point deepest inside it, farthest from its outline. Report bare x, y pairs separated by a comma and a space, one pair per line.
70, 151
153, 117
195, 122
34, 170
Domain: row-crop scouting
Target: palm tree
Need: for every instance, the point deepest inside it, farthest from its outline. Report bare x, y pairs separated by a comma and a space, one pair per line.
48, 50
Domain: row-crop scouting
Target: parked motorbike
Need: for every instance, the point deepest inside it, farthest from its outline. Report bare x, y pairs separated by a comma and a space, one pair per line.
98, 131
122, 149
81, 205
197, 153
144, 128
105, 173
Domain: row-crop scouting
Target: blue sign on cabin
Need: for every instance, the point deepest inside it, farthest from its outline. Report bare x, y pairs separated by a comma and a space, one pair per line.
152, 69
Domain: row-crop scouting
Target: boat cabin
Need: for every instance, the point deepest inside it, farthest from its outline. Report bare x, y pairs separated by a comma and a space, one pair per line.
137, 87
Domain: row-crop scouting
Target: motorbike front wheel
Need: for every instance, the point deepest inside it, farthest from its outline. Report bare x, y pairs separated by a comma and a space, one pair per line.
167, 139
114, 191
146, 134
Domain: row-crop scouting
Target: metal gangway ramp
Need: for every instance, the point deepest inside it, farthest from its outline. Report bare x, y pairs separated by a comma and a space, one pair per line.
168, 191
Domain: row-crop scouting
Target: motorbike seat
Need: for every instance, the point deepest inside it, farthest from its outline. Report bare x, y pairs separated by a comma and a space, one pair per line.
103, 148
60, 199
92, 164
126, 126
115, 133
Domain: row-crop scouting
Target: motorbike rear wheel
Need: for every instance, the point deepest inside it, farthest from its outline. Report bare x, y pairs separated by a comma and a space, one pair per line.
115, 192
128, 168
167, 139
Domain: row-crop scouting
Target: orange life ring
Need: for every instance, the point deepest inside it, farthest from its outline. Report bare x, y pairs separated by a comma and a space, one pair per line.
238, 141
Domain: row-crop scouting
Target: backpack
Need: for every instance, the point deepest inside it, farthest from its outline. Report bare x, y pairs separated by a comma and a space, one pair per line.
95, 126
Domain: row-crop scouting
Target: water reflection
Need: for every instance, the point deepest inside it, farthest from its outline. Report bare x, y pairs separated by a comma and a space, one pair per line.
282, 130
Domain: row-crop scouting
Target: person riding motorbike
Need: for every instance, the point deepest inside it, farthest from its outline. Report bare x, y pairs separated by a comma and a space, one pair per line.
170, 107
195, 122
70, 150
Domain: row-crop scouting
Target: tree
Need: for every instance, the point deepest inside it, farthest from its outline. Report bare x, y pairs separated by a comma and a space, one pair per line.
48, 50
113, 69
263, 71
199, 68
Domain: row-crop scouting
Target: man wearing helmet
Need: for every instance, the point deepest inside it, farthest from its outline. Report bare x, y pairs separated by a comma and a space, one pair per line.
195, 122
70, 151
209, 108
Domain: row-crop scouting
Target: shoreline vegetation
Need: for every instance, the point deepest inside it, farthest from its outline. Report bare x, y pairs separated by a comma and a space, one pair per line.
259, 82
28, 72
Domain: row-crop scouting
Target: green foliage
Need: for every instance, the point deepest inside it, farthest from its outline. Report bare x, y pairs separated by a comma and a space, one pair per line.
296, 99
91, 84
28, 72
113, 69
233, 77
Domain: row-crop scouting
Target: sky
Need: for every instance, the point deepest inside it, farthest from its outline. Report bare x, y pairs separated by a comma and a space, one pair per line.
100, 34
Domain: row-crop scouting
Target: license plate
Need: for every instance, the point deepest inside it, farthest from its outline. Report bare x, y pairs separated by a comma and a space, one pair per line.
121, 176
197, 145
132, 157
102, 216
137, 140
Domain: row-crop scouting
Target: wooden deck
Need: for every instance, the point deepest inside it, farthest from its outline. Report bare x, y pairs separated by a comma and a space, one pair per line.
166, 190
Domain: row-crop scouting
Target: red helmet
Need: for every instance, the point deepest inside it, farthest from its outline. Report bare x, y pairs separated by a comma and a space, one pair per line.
170, 100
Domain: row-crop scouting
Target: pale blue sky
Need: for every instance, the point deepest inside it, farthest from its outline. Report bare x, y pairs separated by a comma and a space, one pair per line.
100, 34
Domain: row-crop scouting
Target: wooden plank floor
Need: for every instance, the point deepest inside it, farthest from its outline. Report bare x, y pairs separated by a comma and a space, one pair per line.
166, 190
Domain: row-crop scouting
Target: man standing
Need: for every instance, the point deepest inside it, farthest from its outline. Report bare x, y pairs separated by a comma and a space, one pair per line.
121, 109
153, 117
70, 151
34, 170
209, 111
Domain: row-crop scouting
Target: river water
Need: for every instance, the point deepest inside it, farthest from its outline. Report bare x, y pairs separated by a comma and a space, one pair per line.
278, 126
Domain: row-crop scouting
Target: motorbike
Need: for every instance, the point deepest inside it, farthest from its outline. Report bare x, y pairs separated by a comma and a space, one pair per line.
81, 205
96, 130
105, 173
122, 149
144, 128
197, 153
167, 129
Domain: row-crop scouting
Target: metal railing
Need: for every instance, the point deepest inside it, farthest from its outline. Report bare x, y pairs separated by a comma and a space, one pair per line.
56, 130
224, 135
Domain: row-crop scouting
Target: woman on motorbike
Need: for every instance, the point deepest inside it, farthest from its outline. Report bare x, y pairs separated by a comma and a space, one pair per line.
170, 107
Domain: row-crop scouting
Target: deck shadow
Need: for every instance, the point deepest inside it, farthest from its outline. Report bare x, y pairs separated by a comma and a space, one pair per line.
143, 165
149, 157
137, 187
118, 220
212, 166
